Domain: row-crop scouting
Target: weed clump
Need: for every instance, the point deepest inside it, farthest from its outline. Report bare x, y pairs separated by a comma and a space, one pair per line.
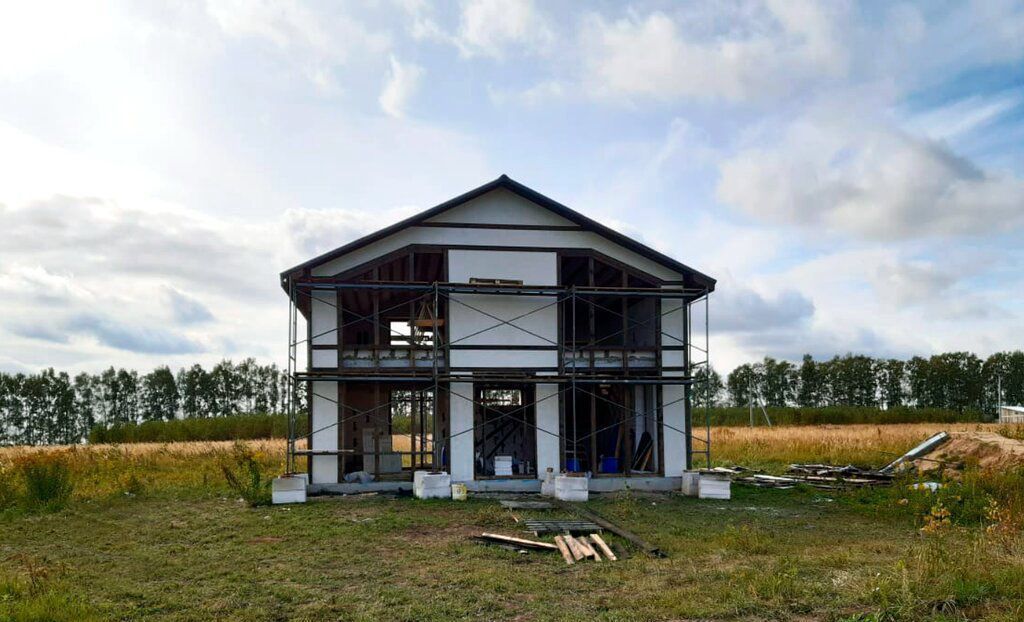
245, 477
46, 483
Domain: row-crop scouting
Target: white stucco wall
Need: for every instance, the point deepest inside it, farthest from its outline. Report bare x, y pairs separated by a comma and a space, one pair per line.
674, 415
460, 452
532, 268
502, 207
547, 428
325, 419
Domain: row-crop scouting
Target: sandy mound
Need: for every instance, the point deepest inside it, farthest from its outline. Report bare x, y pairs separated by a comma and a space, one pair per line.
986, 450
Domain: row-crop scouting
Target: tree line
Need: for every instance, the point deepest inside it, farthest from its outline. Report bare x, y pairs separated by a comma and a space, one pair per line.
52, 407
958, 381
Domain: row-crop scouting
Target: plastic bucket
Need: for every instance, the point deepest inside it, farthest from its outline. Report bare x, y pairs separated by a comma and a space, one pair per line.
610, 465
458, 492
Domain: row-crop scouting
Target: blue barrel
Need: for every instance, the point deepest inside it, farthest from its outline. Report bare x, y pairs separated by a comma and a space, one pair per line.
572, 465
609, 465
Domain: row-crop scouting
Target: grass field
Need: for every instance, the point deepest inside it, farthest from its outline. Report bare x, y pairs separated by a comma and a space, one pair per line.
152, 532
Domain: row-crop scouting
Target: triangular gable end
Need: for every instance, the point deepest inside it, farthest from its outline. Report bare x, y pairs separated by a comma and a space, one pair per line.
502, 202
502, 206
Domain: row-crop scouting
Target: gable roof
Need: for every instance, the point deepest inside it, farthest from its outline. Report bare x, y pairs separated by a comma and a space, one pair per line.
529, 194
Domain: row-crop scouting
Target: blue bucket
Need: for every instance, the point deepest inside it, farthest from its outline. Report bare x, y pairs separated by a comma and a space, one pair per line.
572, 465
610, 465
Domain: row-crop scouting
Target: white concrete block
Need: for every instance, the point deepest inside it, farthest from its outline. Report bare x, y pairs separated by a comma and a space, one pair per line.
547, 485
714, 486
691, 483
289, 489
427, 485
572, 488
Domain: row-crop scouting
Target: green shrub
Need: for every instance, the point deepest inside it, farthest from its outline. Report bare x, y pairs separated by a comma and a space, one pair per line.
236, 427
47, 483
739, 416
245, 476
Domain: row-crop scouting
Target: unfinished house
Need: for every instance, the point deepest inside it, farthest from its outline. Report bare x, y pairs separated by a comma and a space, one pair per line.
496, 336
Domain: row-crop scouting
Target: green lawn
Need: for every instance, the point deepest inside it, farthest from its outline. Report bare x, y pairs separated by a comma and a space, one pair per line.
765, 555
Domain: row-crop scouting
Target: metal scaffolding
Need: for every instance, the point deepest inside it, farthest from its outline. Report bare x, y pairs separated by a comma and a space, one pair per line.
578, 372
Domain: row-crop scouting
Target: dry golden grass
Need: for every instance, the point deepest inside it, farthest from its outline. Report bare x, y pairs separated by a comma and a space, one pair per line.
833, 444
102, 470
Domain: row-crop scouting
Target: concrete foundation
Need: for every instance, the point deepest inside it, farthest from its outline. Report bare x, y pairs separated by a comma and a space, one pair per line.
595, 484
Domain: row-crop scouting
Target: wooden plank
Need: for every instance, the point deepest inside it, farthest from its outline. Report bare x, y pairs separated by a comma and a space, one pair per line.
526, 505
574, 546
587, 549
533, 544
563, 548
607, 550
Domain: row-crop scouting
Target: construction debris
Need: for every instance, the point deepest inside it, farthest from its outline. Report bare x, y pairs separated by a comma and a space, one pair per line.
573, 527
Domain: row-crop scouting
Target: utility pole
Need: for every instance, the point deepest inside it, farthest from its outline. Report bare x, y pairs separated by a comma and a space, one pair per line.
999, 398
750, 398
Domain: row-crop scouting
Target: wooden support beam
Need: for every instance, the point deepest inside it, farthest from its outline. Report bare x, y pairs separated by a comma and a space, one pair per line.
563, 548
529, 544
601, 544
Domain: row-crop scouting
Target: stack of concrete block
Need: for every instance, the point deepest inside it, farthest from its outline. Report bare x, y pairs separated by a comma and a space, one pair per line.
503, 466
572, 488
427, 485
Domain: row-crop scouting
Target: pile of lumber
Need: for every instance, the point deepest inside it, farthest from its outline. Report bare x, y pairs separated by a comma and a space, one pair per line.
573, 549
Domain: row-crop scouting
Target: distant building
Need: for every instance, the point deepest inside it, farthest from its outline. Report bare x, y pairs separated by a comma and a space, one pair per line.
1011, 414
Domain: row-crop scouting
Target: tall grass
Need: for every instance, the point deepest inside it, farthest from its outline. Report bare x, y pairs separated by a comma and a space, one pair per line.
156, 469
47, 482
237, 427
950, 576
735, 416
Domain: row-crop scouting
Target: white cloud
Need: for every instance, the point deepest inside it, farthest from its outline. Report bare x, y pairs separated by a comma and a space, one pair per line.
318, 39
491, 27
763, 50
869, 179
403, 82
912, 282
963, 115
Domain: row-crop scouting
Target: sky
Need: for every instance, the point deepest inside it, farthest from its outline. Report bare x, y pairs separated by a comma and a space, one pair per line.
851, 173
